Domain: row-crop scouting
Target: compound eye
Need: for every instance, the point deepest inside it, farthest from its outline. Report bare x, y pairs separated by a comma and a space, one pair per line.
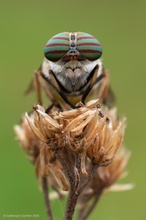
57, 47
88, 46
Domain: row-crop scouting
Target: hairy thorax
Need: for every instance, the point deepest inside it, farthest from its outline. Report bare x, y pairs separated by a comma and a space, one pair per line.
73, 75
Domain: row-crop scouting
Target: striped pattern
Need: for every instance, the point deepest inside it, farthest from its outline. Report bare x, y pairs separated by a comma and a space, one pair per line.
57, 47
60, 44
88, 46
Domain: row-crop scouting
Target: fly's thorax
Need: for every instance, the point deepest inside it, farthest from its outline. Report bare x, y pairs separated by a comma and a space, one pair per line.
72, 77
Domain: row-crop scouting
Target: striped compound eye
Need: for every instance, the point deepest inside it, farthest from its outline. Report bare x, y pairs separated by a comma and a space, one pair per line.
61, 43
88, 46
57, 47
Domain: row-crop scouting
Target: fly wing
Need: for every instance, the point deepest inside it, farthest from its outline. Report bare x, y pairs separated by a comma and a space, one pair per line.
110, 98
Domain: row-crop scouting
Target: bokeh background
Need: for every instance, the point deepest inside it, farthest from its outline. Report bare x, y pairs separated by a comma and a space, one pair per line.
25, 27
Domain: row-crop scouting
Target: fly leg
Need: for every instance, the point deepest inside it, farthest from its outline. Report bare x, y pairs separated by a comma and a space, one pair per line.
55, 85
103, 91
40, 82
94, 75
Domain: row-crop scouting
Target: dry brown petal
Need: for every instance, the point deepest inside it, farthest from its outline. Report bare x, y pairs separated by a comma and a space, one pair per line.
21, 135
76, 143
83, 123
40, 108
96, 128
108, 175
35, 129
50, 121
41, 124
60, 177
93, 104
119, 163
71, 114
83, 163
75, 122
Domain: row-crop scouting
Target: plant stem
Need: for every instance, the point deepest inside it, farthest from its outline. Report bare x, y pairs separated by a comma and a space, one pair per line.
71, 204
73, 195
86, 182
75, 192
66, 168
77, 169
85, 202
92, 206
46, 198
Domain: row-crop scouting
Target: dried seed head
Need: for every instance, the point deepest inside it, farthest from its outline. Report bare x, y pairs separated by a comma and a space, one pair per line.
46, 128
47, 165
93, 132
106, 176
107, 140
27, 138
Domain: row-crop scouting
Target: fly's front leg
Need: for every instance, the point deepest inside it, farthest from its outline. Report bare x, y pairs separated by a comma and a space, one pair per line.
94, 77
103, 91
35, 85
104, 87
40, 82
38, 87
55, 85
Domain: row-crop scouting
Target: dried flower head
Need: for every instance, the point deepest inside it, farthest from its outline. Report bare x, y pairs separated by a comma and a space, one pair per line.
84, 130
76, 149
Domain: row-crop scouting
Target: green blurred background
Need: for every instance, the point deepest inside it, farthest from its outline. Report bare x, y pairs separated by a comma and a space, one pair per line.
25, 27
